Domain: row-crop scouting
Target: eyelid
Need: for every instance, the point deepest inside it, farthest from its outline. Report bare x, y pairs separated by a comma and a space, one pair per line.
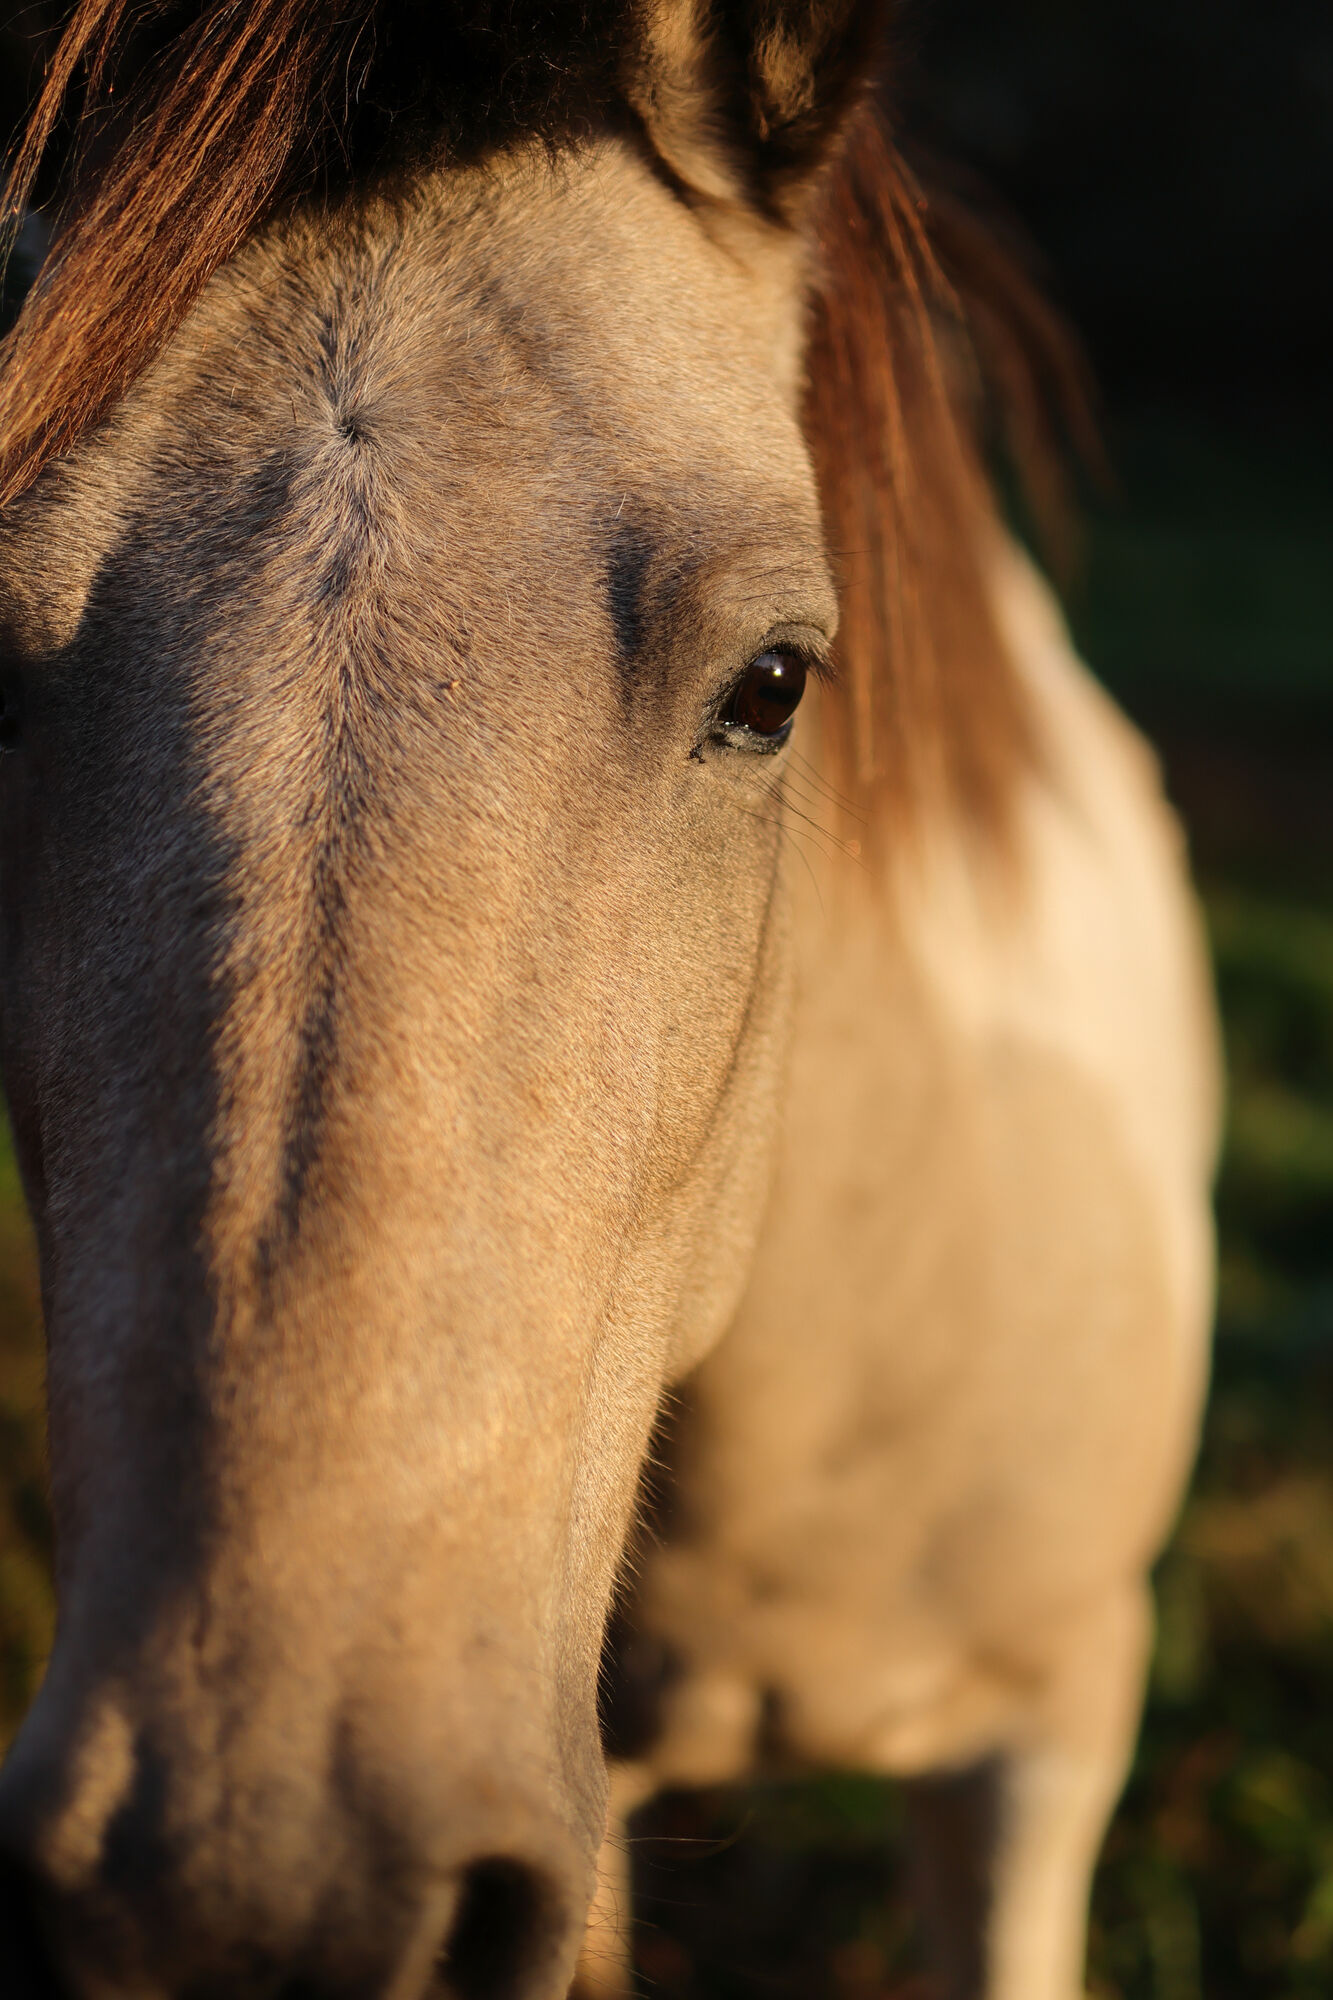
813, 646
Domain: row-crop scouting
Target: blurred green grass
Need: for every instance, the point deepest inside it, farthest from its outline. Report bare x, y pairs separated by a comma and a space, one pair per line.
1209, 610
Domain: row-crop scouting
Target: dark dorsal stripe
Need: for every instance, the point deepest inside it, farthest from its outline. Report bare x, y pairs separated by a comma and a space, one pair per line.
629, 554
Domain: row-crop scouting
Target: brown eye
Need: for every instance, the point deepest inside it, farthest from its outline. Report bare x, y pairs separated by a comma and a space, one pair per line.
766, 699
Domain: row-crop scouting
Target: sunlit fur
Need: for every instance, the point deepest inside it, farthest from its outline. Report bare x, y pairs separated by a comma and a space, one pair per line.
429, 1042
917, 1486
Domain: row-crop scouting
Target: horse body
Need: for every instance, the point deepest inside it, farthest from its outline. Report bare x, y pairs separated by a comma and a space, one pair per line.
916, 1486
402, 913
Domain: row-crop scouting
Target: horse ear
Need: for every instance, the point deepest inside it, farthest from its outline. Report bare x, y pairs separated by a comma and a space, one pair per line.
747, 98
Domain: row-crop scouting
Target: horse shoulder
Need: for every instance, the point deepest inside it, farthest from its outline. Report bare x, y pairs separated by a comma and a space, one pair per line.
960, 1398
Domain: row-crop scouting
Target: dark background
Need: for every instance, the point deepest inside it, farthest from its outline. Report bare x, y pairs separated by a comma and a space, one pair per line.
1173, 165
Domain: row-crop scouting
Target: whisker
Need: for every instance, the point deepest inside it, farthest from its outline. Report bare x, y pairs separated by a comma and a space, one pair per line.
831, 792
807, 796
849, 849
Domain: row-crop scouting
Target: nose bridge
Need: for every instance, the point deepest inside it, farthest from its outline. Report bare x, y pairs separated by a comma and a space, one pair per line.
349, 1659
420, 1184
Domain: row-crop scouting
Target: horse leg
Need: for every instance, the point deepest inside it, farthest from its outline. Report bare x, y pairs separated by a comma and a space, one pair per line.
1004, 1852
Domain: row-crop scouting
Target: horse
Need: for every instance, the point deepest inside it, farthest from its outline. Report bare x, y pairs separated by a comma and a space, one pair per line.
454, 1008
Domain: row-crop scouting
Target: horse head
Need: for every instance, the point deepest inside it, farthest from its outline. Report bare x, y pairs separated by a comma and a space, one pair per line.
400, 655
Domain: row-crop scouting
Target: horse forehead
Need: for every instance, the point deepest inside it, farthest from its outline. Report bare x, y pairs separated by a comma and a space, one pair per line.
553, 359
579, 301
507, 362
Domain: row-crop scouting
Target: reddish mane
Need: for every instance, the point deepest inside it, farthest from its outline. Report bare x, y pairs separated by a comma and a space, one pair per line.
237, 102
920, 321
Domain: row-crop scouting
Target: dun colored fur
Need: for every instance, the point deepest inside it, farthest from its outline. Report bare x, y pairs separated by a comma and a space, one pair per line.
441, 1017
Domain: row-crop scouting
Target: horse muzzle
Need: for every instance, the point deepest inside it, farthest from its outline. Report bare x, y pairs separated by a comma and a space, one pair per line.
130, 1885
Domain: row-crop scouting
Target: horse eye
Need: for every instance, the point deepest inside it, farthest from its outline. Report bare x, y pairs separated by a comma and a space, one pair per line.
767, 694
